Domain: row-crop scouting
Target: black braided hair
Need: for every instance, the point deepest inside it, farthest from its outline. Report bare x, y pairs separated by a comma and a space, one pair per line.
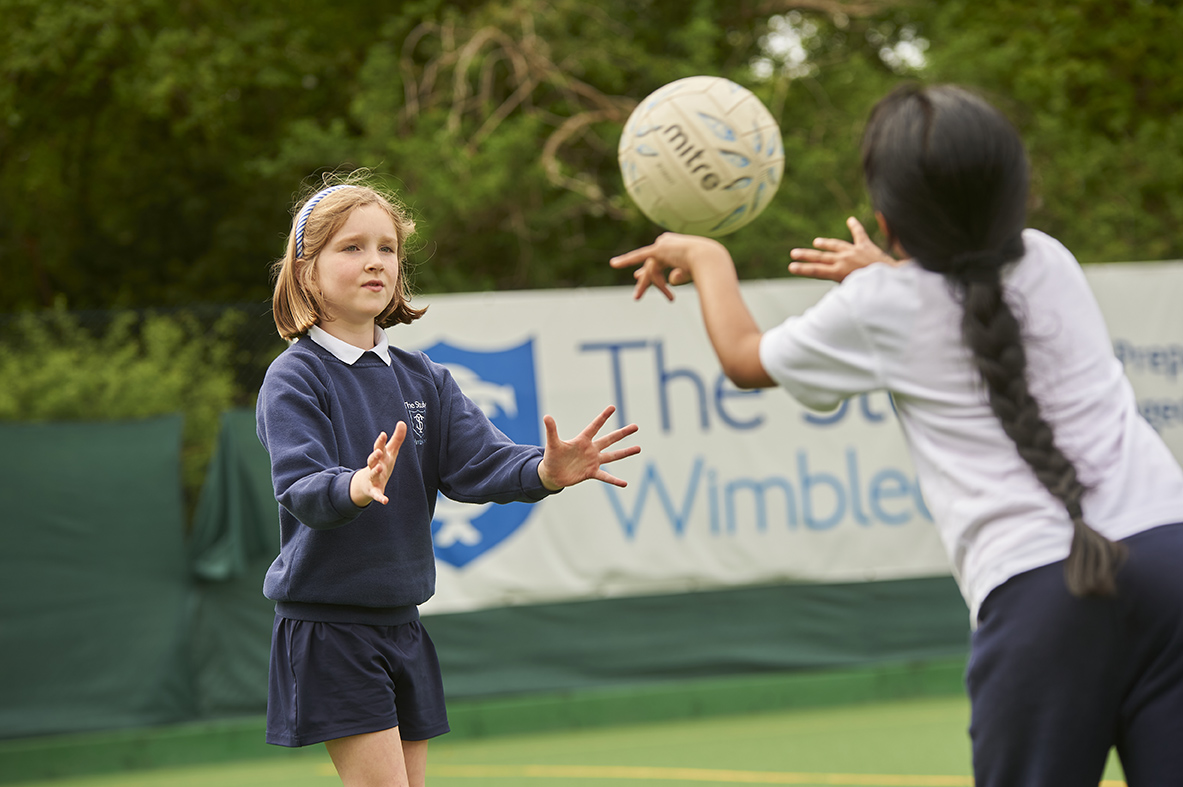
949, 174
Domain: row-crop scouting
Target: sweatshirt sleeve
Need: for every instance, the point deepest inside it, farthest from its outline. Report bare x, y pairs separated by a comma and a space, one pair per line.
478, 463
306, 472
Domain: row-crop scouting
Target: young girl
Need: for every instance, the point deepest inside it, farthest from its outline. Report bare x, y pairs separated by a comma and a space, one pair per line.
1056, 501
351, 665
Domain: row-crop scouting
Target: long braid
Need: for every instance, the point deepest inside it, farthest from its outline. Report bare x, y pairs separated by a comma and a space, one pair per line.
949, 175
992, 332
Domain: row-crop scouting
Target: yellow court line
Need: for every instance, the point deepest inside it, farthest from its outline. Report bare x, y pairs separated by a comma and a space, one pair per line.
696, 775
641, 773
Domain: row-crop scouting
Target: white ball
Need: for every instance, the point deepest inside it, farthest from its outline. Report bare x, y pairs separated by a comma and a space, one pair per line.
701, 155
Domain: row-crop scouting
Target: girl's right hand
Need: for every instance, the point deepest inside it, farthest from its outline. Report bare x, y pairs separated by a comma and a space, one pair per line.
369, 483
680, 255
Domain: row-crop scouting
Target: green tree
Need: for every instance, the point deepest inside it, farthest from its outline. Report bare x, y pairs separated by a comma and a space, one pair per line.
129, 133
150, 150
500, 127
1097, 92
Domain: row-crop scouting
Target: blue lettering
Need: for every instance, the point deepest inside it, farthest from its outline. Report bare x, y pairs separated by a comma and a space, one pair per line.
725, 390
808, 482
652, 478
614, 349
864, 403
663, 380
1165, 360
819, 499
852, 475
870, 414
830, 418
1161, 413
758, 488
890, 485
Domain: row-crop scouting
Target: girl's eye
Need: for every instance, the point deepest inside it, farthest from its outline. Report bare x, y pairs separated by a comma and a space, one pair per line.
388, 249
351, 247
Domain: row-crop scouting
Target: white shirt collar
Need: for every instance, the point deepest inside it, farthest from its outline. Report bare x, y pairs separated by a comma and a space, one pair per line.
345, 351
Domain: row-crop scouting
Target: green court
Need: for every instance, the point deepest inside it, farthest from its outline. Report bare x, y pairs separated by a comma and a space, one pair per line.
918, 742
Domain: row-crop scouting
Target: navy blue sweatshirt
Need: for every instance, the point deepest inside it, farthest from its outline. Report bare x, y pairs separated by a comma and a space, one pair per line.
318, 418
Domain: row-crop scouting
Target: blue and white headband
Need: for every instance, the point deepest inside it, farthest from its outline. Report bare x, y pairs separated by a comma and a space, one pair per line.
306, 211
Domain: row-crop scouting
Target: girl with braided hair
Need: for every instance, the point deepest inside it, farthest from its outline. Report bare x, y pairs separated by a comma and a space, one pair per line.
1058, 504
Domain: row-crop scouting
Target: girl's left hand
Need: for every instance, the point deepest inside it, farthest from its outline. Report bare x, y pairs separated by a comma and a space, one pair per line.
566, 463
834, 259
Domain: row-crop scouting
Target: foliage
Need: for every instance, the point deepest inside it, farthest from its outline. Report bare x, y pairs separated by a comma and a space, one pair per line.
501, 125
1095, 88
140, 366
127, 133
150, 149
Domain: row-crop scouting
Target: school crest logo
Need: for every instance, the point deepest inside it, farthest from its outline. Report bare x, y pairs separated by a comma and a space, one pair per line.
503, 384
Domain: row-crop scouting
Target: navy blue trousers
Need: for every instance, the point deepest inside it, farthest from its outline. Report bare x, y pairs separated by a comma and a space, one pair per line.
1056, 681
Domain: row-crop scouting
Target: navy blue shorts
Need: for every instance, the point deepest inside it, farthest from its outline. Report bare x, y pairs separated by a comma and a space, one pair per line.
1056, 681
332, 680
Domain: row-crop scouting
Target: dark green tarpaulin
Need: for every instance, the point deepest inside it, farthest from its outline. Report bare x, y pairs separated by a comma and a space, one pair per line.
107, 622
93, 591
235, 537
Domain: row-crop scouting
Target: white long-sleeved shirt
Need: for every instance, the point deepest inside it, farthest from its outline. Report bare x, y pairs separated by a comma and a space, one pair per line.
899, 328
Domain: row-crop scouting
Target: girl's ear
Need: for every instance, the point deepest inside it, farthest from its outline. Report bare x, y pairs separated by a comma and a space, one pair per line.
896, 248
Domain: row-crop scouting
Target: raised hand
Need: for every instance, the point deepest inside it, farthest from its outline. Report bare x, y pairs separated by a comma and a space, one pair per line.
834, 259
681, 255
369, 483
566, 463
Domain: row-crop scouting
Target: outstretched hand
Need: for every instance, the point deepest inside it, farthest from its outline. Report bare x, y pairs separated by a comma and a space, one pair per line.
566, 463
680, 255
369, 483
834, 259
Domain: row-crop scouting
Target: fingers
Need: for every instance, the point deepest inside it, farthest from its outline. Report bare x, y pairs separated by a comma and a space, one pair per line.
651, 274
857, 232
400, 434
634, 257
607, 457
643, 282
832, 244
599, 421
810, 255
375, 458
615, 437
592, 429
817, 270
608, 478
552, 430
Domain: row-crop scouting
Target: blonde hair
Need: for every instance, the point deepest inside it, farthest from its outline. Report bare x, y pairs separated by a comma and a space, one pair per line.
297, 303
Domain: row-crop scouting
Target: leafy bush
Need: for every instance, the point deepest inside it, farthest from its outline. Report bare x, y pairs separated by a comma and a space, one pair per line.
139, 366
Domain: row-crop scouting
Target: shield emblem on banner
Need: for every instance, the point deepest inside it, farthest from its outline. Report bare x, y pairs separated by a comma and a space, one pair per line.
502, 383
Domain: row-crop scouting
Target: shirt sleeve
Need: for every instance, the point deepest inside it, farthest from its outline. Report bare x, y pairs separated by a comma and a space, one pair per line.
826, 354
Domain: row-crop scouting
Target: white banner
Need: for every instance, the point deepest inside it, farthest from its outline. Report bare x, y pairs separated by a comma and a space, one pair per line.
732, 487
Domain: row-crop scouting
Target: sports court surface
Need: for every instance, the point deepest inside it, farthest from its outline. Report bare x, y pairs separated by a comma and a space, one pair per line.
901, 743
